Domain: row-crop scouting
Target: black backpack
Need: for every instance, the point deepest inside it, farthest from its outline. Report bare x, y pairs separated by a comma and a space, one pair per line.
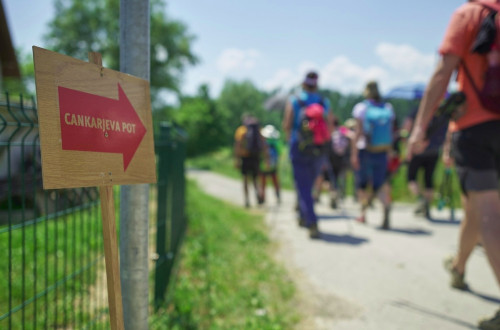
251, 141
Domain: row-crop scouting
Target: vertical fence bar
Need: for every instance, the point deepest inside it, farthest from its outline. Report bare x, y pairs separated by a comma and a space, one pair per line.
170, 200
162, 211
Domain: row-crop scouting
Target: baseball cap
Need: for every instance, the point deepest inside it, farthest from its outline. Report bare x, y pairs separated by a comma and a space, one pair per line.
311, 79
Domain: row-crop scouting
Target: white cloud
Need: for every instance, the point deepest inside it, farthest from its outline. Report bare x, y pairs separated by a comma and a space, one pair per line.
283, 78
287, 79
393, 65
404, 57
232, 59
344, 75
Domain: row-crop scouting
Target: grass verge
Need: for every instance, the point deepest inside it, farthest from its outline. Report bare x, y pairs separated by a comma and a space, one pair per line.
227, 277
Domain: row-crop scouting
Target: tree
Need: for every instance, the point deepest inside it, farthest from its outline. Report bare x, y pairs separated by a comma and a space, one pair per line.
82, 26
237, 98
205, 124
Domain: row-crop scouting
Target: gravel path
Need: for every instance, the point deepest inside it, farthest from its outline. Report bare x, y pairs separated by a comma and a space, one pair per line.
359, 277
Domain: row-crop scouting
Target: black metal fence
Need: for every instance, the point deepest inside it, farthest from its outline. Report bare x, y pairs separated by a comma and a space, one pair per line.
171, 217
51, 246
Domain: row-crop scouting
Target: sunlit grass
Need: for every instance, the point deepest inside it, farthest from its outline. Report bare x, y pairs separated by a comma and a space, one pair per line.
227, 277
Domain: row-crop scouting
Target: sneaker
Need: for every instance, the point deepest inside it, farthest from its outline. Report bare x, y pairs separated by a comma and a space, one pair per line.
314, 232
302, 222
457, 279
492, 323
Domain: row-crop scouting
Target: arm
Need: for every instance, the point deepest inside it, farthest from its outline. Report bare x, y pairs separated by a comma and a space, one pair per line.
447, 160
432, 96
288, 120
354, 144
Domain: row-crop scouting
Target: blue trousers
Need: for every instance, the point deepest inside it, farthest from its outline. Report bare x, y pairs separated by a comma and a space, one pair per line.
306, 169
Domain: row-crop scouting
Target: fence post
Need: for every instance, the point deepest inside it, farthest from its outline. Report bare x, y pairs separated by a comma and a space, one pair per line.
134, 200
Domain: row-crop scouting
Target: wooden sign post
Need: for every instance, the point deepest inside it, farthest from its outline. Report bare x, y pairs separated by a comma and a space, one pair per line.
95, 130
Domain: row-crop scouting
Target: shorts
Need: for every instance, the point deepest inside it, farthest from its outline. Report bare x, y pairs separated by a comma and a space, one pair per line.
373, 169
250, 165
428, 163
476, 151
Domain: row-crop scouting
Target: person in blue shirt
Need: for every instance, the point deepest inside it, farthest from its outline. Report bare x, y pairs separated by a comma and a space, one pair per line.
306, 166
370, 150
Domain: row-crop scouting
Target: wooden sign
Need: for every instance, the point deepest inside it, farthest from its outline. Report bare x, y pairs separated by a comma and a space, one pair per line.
95, 124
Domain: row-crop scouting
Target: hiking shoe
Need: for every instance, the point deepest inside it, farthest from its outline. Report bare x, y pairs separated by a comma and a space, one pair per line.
492, 323
422, 208
385, 223
457, 279
361, 219
302, 222
314, 232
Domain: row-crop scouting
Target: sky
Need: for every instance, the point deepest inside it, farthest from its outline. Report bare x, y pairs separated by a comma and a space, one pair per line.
273, 43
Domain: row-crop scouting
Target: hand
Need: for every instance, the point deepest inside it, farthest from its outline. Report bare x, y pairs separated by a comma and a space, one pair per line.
416, 143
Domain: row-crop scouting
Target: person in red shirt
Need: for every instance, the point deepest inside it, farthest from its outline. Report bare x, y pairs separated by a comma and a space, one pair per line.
476, 141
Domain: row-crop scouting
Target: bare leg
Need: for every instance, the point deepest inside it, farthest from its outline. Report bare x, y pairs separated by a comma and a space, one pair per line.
413, 187
245, 190
487, 207
263, 179
469, 235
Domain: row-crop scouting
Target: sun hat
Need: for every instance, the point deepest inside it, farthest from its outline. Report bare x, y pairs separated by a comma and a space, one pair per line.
270, 132
350, 123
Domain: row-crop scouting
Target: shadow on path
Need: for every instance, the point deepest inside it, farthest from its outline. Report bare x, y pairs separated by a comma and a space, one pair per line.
423, 310
408, 231
446, 221
335, 217
492, 299
342, 239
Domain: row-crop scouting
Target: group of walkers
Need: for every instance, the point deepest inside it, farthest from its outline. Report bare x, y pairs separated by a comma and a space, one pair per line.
256, 154
470, 48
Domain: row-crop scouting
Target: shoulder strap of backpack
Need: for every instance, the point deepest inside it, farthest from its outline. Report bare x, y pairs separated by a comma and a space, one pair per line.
469, 76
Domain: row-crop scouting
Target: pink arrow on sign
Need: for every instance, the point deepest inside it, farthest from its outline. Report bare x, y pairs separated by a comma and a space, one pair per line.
95, 123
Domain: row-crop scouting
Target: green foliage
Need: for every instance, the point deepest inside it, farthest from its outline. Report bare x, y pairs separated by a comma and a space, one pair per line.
237, 98
227, 278
82, 26
206, 126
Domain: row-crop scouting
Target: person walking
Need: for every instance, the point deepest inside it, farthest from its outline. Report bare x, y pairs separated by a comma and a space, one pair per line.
425, 161
305, 125
269, 168
247, 150
370, 148
476, 143
339, 156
